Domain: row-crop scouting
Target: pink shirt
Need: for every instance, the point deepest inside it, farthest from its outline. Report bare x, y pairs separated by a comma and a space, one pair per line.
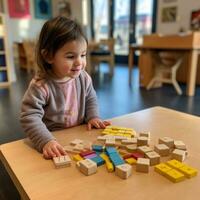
71, 103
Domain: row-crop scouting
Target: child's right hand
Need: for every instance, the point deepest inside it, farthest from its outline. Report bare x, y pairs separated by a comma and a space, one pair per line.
53, 149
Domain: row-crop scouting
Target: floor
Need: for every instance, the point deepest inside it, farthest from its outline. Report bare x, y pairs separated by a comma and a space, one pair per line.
115, 97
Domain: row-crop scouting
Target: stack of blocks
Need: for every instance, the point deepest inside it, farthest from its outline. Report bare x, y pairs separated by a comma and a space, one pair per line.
175, 170
62, 161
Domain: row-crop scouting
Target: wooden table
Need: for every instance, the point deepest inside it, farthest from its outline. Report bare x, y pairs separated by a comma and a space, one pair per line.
37, 179
189, 44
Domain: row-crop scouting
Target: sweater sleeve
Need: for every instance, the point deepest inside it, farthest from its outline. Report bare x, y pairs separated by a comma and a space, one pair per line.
32, 112
91, 103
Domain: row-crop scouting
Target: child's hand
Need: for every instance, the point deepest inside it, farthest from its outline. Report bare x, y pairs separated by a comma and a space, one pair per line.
53, 149
97, 123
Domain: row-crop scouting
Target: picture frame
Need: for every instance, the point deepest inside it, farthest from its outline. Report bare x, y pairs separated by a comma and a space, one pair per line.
19, 9
195, 20
169, 14
43, 9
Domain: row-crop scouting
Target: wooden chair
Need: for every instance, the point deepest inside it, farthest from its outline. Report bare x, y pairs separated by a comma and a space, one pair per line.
166, 65
29, 49
104, 53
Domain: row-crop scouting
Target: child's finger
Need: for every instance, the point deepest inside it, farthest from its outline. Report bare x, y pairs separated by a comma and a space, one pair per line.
56, 151
51, 153
89, 126
107, 123
45, 155
101, 124
62, 151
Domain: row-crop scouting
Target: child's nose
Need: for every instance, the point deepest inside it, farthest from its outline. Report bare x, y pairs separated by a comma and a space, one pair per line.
78, 61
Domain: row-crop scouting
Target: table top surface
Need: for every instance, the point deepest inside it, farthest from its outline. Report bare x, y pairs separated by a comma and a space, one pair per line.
37, 178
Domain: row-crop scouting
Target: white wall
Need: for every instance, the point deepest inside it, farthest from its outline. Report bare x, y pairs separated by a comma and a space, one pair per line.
184, 8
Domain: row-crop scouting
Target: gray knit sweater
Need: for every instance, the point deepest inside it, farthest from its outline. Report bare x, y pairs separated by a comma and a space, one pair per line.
41, 114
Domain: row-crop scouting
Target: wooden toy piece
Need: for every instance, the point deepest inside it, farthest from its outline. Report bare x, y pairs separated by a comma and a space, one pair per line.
162, 149
183, 168
175, 176
131, 148
123, 171
122, 152
98, 160
70, 149
145, 134
142, 165
162, 168
154, 157
87, 145
78, 147
110, 142
142, 141
131, 161
144, 149
179, 145
109, 165
87, 167
76, 141
85, 153
101, 138
90, 156
129, 141
137, 155
179, 155
77, 157
62, 161
167, 141
98, 148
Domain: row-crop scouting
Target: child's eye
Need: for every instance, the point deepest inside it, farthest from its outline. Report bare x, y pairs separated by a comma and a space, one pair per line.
70, 57
83, 55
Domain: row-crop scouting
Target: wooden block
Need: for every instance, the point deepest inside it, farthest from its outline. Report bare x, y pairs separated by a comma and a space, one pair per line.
123, 171
87, 145
178, 155
131, 148
137, 155
62, 161
162, 168
145, 134
110, 142
153, 157
70, 149
142, 165
85, 153
109, 165
175, 176
131, 161
179, 145
167, 141
76, 141
144, 149
78, 147
77, 157
162, 149
88, 167
183, 168
129, 141
142, 141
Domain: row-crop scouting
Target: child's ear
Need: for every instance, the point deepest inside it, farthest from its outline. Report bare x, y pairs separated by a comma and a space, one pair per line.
47, 57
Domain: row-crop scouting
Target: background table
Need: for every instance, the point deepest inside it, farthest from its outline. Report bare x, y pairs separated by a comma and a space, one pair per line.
37, 179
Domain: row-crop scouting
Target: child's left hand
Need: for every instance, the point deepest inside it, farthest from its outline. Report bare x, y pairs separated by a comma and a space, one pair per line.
97, 123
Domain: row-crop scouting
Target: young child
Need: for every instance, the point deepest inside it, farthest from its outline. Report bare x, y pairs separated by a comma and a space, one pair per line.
61, 94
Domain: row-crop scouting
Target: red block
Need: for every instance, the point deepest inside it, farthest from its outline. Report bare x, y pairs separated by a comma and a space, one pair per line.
85, 153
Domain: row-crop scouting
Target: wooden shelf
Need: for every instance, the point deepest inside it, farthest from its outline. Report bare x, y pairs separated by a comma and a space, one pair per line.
4, 55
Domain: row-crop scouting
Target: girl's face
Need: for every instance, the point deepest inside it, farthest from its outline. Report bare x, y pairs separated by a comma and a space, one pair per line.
70, 59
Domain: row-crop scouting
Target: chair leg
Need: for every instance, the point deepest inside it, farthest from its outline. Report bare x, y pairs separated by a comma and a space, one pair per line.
151, 83
111, 66
177, 87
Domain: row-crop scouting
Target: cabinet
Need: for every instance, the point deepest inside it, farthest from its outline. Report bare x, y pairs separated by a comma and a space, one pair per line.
4, 54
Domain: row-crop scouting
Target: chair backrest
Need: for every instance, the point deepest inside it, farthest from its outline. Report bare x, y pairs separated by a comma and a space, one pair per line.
109, 43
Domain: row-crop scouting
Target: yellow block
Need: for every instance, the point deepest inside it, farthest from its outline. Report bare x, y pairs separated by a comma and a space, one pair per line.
131, 161
109, 166
162, 168
77, 157
175, 164
175, 176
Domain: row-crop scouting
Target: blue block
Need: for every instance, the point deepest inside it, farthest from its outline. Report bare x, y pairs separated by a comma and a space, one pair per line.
111, 150
97, 148
98, 160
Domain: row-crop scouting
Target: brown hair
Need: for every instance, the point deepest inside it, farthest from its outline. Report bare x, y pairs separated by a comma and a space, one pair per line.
54, 35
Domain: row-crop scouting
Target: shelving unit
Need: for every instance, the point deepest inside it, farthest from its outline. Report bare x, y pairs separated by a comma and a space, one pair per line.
4, 54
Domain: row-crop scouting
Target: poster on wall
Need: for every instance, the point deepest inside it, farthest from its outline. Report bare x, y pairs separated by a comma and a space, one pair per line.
195, 20
19, 8
169, 14
43, 9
